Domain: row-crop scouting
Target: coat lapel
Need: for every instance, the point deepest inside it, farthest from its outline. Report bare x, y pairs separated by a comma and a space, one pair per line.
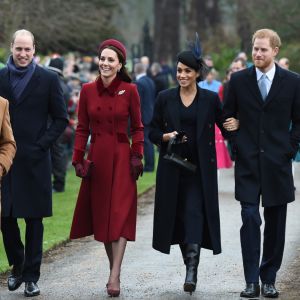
31, 86
6, 87
253, 86
276, 85
202, 107
174, 109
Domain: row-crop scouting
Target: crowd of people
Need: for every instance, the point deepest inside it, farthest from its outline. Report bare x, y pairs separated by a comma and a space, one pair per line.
90, 112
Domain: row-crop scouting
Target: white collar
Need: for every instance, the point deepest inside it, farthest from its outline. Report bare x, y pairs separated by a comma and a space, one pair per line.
137, 77
270, 74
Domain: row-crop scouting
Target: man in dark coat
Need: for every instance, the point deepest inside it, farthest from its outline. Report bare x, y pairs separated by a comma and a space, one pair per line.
146, 89
59, 157
266, 100
34, 93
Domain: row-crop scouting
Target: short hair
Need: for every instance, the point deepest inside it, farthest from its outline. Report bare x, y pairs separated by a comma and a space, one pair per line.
156, 67
267, 33
140, 68
285, 60
243, 62
22, 32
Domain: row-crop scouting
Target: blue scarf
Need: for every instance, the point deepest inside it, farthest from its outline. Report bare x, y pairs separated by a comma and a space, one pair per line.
19, 76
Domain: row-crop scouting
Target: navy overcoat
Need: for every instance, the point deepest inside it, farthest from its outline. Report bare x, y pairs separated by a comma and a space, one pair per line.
27, 190
166, 118
268, 136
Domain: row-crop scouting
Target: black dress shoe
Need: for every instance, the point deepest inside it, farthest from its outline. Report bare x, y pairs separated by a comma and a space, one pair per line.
15, 278
268, 290
31, 289
252, 290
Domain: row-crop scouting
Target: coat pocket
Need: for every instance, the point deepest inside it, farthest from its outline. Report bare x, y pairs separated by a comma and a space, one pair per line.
122, 138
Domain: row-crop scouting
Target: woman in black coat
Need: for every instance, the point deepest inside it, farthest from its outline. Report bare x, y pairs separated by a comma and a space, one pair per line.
186, 203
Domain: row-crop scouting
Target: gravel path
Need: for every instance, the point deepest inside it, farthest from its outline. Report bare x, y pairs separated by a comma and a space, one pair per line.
79, 269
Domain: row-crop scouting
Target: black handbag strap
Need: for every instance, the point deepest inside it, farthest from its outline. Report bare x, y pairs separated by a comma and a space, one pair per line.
171, 142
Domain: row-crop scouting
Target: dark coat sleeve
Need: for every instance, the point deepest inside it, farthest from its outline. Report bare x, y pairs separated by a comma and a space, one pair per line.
58, 114
295, 130
219, 115
157, 122
230, 109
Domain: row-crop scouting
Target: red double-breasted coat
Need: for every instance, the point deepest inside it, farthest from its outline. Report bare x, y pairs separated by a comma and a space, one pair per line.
107, 200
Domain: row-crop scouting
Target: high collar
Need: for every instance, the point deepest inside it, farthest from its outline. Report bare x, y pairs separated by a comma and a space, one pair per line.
111, 89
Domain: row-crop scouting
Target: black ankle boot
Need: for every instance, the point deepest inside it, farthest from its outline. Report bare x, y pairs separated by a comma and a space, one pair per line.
190, 254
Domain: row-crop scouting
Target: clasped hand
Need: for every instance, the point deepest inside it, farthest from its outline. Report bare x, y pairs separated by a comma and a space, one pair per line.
231, 124
180, 136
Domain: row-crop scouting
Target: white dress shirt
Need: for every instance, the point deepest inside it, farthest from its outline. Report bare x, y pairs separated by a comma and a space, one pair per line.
269, 76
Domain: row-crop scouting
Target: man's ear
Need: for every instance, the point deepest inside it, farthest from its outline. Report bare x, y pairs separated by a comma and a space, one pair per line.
276, 51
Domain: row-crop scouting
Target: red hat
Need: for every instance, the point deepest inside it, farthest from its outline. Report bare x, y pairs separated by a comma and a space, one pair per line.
114, 43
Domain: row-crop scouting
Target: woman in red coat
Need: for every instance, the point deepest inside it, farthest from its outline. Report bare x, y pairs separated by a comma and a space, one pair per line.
107, 201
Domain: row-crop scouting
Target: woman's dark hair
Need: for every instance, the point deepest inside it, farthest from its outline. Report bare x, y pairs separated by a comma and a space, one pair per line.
188, 58
123, 74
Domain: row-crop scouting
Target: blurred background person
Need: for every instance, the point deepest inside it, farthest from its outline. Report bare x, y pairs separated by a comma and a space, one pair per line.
284, 63
159, 78
211, 83
244, 56
146, 89
58, 150
208, 61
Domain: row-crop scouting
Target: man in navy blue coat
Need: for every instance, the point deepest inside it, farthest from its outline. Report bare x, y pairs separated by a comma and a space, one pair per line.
266, 100
146, 89
34, 93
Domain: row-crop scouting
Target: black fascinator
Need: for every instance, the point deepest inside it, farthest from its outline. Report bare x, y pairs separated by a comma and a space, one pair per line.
193, 57
195, 47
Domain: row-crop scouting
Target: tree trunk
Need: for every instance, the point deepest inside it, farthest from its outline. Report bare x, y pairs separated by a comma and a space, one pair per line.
244, 25
166, 29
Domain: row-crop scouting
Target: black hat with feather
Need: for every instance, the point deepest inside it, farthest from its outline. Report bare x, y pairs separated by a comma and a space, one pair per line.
193, 57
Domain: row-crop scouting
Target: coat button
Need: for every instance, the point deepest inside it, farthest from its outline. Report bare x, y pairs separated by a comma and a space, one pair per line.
110, 108
98, 108
210, 143
209, 125
262, 150
212, 160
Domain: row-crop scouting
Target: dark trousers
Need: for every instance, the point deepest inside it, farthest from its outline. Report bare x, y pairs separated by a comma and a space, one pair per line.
14, 248
148, 151
273, 242
59, 161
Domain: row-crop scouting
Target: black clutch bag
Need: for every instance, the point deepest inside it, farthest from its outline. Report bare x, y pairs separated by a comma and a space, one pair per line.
177, 159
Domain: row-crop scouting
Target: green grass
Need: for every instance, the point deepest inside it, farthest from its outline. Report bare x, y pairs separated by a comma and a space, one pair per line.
57, 228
